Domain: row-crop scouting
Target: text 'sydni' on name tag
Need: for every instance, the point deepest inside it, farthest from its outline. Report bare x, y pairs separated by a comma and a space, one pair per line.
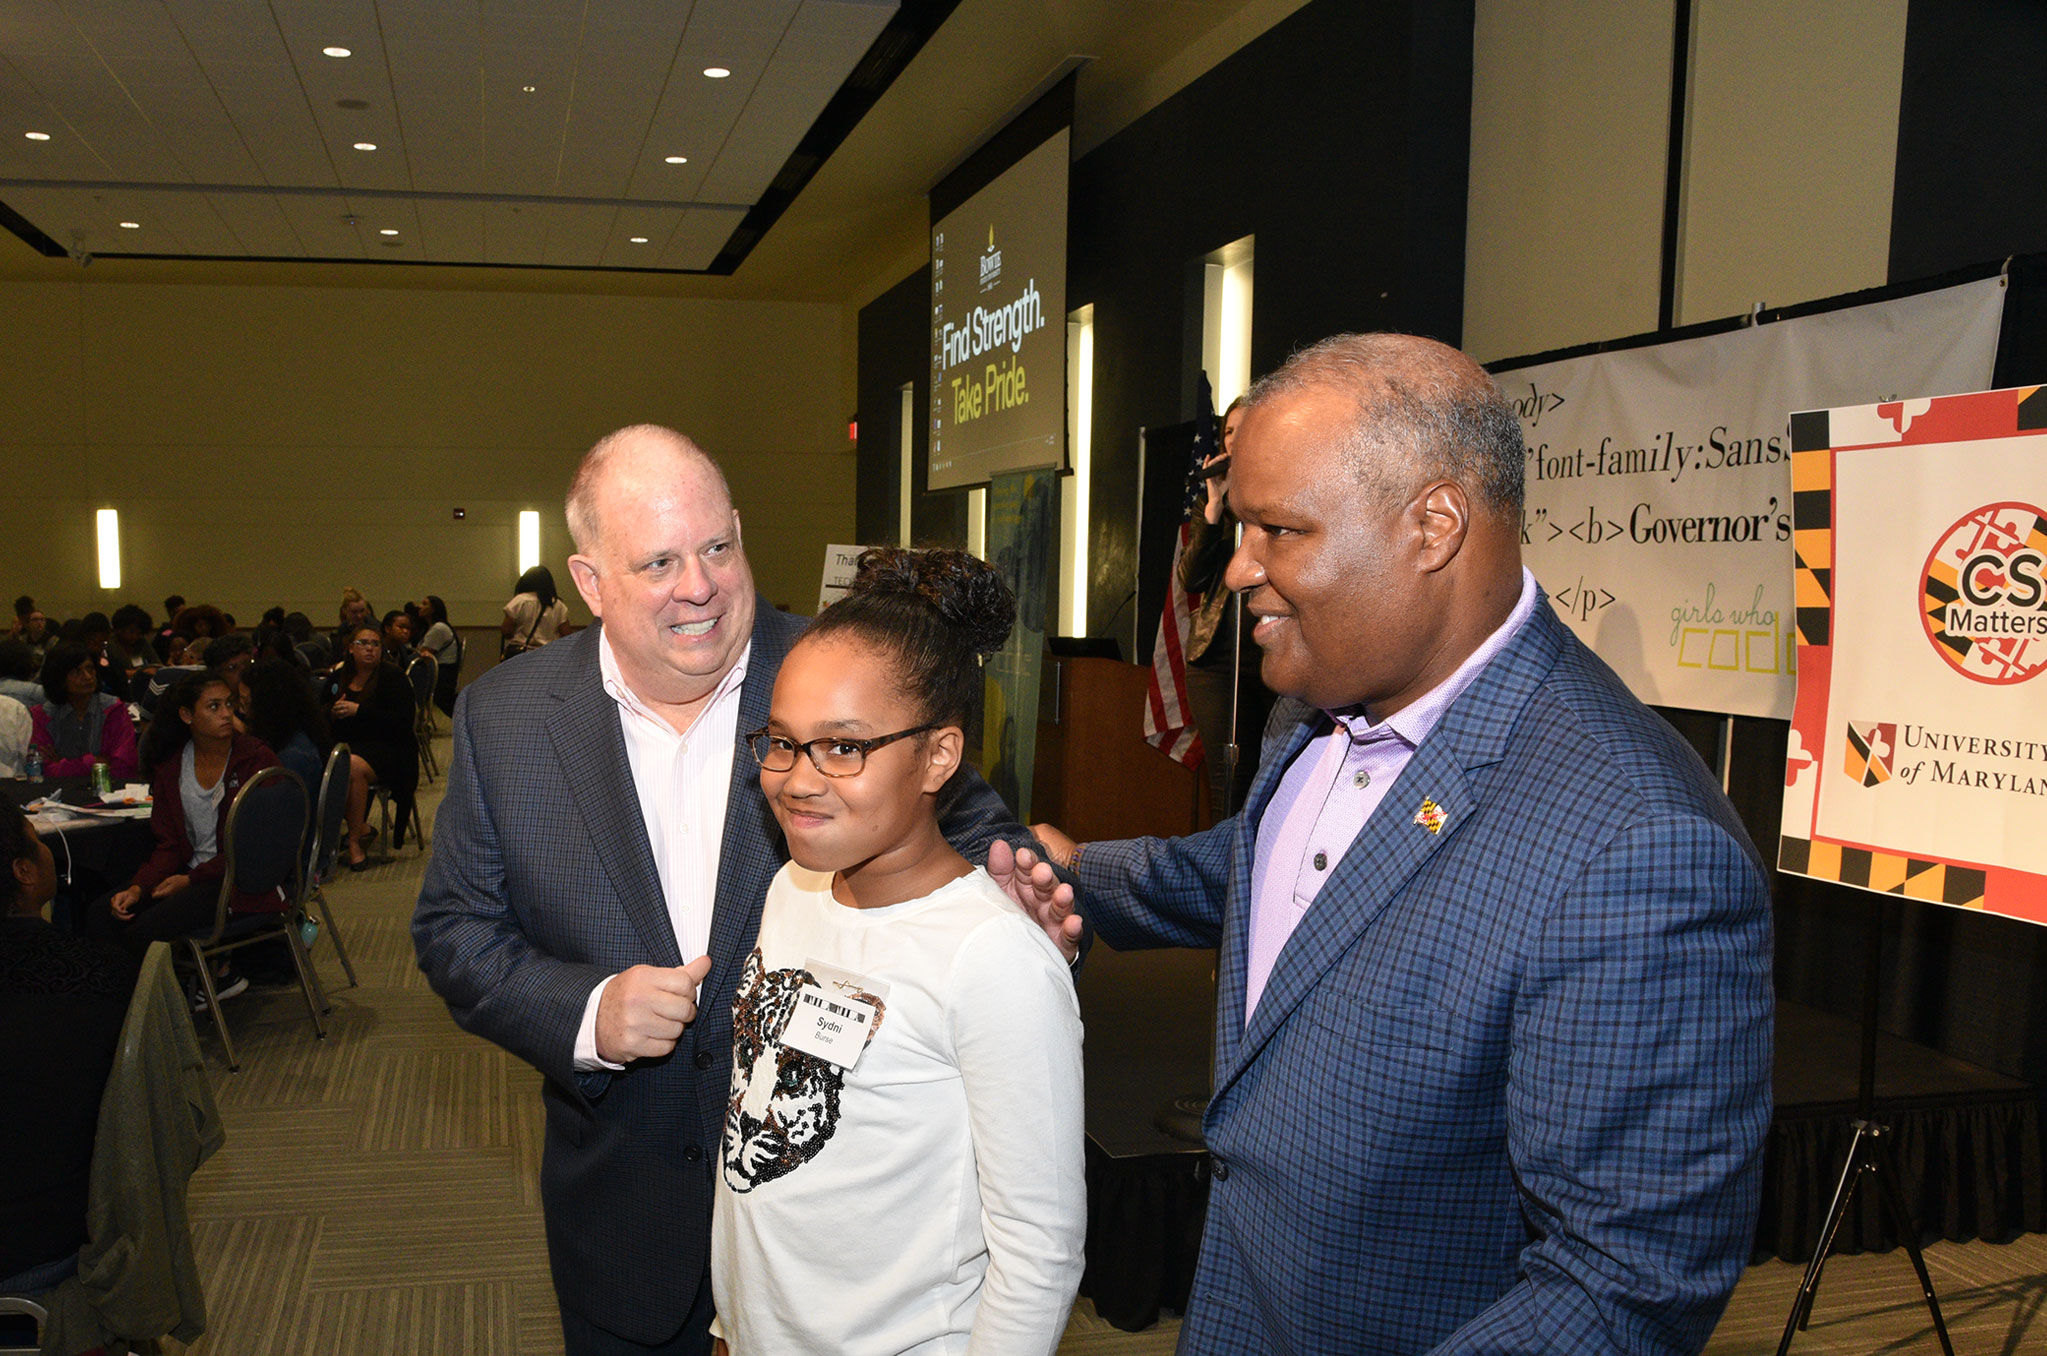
828, 1021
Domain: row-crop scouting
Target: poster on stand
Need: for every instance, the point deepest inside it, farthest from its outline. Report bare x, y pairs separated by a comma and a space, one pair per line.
1658, 509
1918, 751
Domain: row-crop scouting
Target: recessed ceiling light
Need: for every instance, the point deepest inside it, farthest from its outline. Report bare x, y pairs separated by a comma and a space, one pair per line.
639, 240
716, 72
366, 145
676, 159
336, 51
37, 136
528, 89
387, 231
131, 225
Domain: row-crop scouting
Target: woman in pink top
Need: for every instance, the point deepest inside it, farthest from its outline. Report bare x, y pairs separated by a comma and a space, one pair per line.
78, 725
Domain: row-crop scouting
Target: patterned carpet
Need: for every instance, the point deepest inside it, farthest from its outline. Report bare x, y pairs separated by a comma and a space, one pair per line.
377, 1194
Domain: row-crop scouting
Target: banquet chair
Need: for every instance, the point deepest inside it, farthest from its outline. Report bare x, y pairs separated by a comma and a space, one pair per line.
330, 817
409, 820
266, 828
25, 1307
137, 1279
422, 673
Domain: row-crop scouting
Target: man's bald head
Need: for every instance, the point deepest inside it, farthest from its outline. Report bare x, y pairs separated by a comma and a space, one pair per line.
632, 446
1424, 412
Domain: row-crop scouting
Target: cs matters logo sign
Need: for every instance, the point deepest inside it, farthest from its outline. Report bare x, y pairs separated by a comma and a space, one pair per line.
1985, 594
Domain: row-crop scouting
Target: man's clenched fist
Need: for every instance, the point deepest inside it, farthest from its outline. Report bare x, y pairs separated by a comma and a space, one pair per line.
645, 1009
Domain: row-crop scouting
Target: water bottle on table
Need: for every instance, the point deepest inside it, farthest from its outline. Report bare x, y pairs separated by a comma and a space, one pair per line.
35, 763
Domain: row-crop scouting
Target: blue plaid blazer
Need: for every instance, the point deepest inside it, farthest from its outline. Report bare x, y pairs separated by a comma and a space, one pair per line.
541, 884
1507, 1085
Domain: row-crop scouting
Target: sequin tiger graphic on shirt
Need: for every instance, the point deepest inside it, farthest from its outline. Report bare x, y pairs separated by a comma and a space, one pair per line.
784, 1106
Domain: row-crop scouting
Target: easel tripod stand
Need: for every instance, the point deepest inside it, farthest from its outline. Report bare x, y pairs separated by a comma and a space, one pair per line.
1869, 1156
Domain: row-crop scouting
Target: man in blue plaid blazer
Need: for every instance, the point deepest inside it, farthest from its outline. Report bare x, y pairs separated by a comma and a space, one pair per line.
1492, 1065
544, 885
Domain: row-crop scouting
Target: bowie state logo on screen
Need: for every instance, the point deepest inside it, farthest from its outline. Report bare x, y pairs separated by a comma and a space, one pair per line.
1871, 747
1984, 594
991, 263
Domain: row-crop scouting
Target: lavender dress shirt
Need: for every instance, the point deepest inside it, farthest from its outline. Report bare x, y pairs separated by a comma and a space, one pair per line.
1332, 788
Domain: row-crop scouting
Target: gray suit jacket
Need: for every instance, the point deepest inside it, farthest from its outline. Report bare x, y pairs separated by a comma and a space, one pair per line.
541, 884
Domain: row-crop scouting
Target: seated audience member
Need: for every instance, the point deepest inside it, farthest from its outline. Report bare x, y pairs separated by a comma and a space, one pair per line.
62, 1003
129, 648
355, 611
36, 633
95, 632
23, 606
161, 641
197, 763
229, 654
369, 708
17, 727
440, 643
182, 655
397, 635
535, 614
77, 724
278, 708
202, 621
18, 673
310, 649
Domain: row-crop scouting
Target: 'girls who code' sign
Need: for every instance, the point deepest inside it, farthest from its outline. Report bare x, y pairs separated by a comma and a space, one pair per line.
1918, 754
1659, 504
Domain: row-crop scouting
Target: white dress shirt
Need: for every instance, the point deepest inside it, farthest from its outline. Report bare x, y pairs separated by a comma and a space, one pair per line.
684, 782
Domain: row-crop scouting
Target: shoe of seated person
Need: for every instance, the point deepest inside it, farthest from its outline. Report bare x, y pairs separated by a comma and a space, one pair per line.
231, 986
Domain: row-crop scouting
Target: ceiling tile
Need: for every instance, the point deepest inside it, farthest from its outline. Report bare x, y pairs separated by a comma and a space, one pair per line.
700, 237
317, 220
862, 19
513, 233
577, 235
180, 92
259, 223
656, 224
451, 232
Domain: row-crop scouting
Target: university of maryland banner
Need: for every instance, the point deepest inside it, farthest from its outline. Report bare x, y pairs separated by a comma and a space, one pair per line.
1918, 754
1658, 501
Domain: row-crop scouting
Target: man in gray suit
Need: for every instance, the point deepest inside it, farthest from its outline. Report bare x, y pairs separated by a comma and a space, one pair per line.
599, 866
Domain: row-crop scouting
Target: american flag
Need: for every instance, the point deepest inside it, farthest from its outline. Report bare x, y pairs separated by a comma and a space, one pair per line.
1168, 715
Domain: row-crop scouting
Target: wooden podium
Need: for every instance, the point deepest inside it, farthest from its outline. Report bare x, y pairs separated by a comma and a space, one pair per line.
1095, 776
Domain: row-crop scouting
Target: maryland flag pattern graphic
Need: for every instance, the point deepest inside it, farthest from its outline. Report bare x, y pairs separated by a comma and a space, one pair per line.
1870, 748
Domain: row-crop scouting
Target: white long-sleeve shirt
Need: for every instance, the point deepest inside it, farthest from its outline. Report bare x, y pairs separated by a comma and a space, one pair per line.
932, 1197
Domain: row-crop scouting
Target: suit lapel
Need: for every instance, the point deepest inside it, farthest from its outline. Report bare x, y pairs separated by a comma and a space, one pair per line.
590, 750
751, 851
1232, 964
1380, 860
1391, 847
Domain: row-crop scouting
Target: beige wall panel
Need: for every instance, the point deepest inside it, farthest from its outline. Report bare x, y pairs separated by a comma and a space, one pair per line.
1569, 128
270, 444
1794, 138
38, 333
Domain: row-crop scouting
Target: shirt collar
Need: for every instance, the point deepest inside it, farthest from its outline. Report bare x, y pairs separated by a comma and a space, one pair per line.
620, 692
1412, 723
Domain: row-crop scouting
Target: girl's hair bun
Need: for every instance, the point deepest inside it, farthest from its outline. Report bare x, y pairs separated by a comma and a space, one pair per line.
966, 592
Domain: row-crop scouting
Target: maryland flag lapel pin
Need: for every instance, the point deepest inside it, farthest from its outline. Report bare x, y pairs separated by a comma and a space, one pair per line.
1431, 816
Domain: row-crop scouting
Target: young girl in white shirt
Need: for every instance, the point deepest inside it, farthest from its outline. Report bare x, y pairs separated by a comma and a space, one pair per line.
902, 1165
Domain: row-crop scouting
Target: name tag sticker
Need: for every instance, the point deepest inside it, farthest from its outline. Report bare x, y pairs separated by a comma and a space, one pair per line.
832, 1026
